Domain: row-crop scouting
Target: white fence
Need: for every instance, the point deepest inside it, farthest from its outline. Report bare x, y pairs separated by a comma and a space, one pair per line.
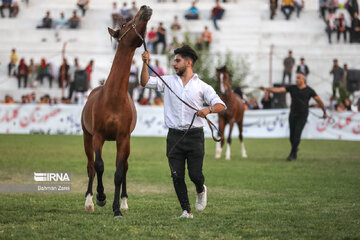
65, 119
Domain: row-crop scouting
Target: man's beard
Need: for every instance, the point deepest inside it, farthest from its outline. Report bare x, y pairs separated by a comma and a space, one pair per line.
181, 72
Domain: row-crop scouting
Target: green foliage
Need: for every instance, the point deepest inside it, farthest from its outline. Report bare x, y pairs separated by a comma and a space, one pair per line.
261, 197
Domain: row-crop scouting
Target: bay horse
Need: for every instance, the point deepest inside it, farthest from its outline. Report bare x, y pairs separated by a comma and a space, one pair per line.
110, 115
233, 114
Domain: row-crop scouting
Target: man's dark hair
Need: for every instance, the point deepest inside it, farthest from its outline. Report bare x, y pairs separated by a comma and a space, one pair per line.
187, 52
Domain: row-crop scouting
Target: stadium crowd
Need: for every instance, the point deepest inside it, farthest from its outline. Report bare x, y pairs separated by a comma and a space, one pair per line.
32, 74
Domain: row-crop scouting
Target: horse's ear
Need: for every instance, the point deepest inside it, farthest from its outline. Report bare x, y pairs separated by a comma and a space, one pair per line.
113, 33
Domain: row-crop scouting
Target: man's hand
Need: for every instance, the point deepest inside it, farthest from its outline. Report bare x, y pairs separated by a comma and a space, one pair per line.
203, 112
146, 57
262, 88
325, 115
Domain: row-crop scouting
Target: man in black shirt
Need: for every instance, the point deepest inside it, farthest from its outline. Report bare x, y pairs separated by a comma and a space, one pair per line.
300, 96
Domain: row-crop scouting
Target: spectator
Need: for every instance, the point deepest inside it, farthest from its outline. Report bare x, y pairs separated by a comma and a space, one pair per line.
358, 105
46, 21
12, 64
267, 100
299, 5
199, 44
60, 23
175, 26
8, 100
158, 68
352, 7
151, 39
341, 27
355, 29
161, 38
338, 74
115, 15
44, 71
333, 5
133, 78
330, 25
22, 73
83, 5
273, 8
344, 78
72, 71
217, 13
158, 101
206, 37
32, 72
302, 67
89, 69
6, 4
193, 12
288, 63
15, 8
253, 104
322, 8
133, 10
125, 12
287, 7
33, 97
333, 103
74, 21
347, 104
340, 107
64, 74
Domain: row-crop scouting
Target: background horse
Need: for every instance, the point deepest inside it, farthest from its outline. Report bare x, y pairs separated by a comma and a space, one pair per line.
233, 114
110, 115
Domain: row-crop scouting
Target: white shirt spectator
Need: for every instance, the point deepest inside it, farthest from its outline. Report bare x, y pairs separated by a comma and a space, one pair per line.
177, 115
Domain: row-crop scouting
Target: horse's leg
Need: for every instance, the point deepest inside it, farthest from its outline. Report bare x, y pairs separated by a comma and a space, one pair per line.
124, 206
98, 142
123, 151
220, 144
89, 205
228, 151
243, 150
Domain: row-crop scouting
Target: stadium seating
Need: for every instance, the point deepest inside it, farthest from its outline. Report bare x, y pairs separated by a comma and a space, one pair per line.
246, 31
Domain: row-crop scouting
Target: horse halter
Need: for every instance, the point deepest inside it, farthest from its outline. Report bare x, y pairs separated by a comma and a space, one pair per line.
133, 26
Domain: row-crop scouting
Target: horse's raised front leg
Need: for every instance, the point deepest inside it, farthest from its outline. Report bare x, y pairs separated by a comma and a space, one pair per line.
219, 145
243, 150
89, 205
123, 151
228, 150
98, 142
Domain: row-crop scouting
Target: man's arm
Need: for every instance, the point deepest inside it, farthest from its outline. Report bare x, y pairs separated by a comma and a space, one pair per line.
218, 107
144, 78
318, 100
274, 89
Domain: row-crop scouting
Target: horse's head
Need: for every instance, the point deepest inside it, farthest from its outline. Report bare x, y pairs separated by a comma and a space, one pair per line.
132, 33
224, 79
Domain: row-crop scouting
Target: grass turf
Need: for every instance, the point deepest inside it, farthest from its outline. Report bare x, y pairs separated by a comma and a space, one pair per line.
262, 197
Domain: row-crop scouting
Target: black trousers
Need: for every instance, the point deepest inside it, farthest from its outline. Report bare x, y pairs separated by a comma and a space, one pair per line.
191, 150
297, 123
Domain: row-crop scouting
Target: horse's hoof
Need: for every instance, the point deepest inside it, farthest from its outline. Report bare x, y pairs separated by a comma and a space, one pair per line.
101, 201
89, 205
124, 206
227, 158
89, 208
117, 214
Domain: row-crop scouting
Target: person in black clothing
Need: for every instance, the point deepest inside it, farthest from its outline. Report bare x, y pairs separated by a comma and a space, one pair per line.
300, 96
266, 101
302, 67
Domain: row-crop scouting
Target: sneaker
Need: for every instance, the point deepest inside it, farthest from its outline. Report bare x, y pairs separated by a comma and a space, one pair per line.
186, 214
201, 200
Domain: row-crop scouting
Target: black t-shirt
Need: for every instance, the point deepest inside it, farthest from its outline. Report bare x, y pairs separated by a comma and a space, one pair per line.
300, 98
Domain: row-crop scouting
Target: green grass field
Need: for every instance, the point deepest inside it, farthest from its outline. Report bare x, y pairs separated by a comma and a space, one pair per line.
261, 197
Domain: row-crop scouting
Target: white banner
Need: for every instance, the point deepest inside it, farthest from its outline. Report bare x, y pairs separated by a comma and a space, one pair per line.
65, 119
